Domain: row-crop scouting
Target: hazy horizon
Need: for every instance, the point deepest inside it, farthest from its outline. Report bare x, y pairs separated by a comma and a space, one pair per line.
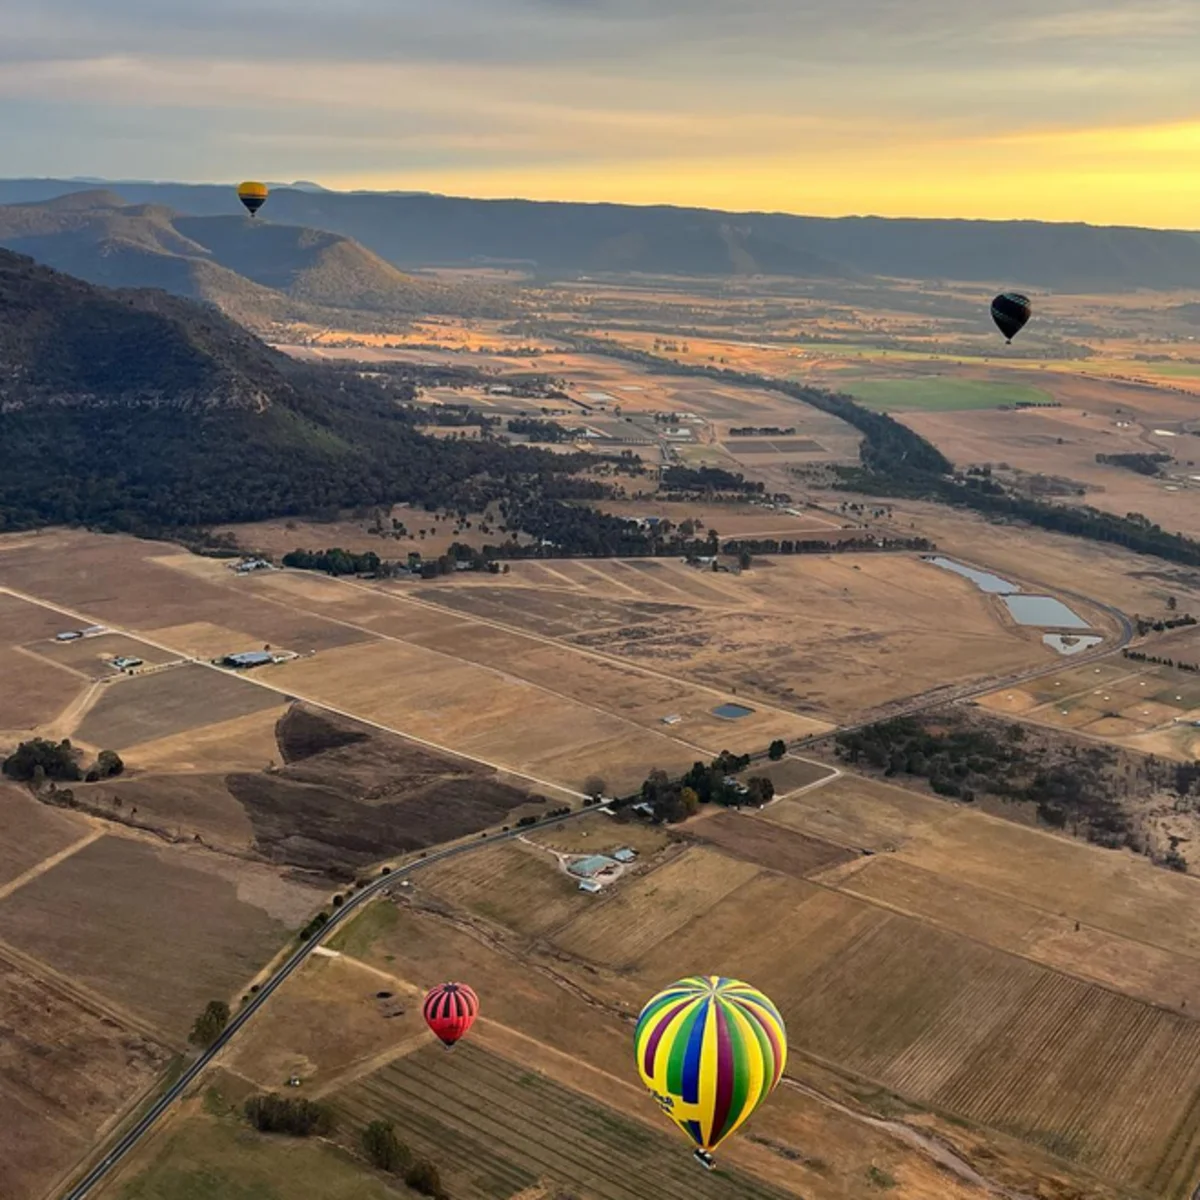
1061, 110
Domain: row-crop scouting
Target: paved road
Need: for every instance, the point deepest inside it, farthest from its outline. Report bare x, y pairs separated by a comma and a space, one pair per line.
130, 1139
298, 956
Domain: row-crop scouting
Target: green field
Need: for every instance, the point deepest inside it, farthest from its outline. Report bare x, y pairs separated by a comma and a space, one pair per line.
943, 395
205, 1157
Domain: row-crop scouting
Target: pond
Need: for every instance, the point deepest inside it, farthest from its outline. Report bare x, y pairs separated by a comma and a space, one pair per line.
1070, 643
985, 581
732, 712
1044, 611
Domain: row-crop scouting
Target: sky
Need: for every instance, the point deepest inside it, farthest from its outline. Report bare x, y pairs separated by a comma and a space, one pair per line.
1056, 110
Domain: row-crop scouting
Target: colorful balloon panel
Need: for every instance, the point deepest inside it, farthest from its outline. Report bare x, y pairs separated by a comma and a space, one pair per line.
450, 1010
253, 195
1011, 311
710, 1050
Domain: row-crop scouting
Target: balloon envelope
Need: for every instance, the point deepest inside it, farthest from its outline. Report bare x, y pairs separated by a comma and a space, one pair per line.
1010, 311
450, 1010
253, 195
710, 1050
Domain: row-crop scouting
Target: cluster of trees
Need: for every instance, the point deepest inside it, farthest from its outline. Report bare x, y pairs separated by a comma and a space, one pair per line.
854, 545
293, 1115
40, 760
385, 1151
962, 760
675, 800
1143, 464
454, 416
1141, 656
542, 431
708, 481
1161, 625
314, 926
334, 562
210, 1024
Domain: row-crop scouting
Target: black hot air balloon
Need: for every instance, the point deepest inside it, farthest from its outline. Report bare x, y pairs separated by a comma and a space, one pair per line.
1010, 311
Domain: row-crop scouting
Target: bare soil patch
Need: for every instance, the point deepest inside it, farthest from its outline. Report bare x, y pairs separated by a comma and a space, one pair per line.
350, 795
159, 930
31, 831
66, 1070
144, 708
777, 849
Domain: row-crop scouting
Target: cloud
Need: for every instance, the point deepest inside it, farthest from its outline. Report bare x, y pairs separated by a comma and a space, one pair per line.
645, 91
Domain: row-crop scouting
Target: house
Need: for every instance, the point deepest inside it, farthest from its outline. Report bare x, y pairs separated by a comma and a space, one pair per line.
591, 866
124, 663
589, 885
251, 658
740, 788
624, 855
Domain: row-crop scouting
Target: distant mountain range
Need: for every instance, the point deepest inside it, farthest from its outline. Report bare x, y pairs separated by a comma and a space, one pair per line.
256, 271
410, 230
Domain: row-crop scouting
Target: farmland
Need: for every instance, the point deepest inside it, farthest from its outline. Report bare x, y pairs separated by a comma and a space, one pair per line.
498, 1127
943, 395
68, 1064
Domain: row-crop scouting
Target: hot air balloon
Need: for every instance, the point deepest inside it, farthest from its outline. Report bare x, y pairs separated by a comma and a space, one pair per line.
252, 195
710, 1050
450, 1010
1010, 311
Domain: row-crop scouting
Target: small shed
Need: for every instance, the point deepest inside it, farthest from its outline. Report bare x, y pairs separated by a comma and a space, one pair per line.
624, 855
124, 663
68, 635
251, 658
590, 886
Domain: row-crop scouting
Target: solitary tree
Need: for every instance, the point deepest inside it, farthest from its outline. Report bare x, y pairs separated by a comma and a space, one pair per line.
594, 787
384, 1149
210, 1024
777, 750
423, 1177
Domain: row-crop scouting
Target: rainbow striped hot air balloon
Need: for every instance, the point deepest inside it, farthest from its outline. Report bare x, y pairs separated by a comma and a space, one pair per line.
710, 1050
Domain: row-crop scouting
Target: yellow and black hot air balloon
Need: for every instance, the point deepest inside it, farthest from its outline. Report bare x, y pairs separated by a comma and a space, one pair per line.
253, 195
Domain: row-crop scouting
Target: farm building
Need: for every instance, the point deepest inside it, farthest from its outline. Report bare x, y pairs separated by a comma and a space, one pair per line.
589, 885
672, 719
624, 855
95, 630
251, 658
593, 865
124, 663
68, 635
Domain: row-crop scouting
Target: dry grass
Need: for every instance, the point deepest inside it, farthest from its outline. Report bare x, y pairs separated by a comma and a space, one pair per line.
622, 928
33, 692
514, 885
498, 1127
777, 849
144, 708
92, 656
65, 1070
31, 831
158, 930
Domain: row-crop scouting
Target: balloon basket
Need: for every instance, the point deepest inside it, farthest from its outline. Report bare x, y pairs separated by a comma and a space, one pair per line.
705, 1159
448, 1046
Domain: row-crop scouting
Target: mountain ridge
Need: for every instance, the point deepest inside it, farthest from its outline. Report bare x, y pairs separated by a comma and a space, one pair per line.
258, 272
561, 237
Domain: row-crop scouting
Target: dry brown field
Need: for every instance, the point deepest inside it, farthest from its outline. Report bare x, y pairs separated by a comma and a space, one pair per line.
66, 1068
92, 656
770, 846
157, 930
144, 708
33, 691
31, 832
620, 929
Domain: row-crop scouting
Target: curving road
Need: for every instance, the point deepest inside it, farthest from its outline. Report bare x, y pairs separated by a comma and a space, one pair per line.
144, 1124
